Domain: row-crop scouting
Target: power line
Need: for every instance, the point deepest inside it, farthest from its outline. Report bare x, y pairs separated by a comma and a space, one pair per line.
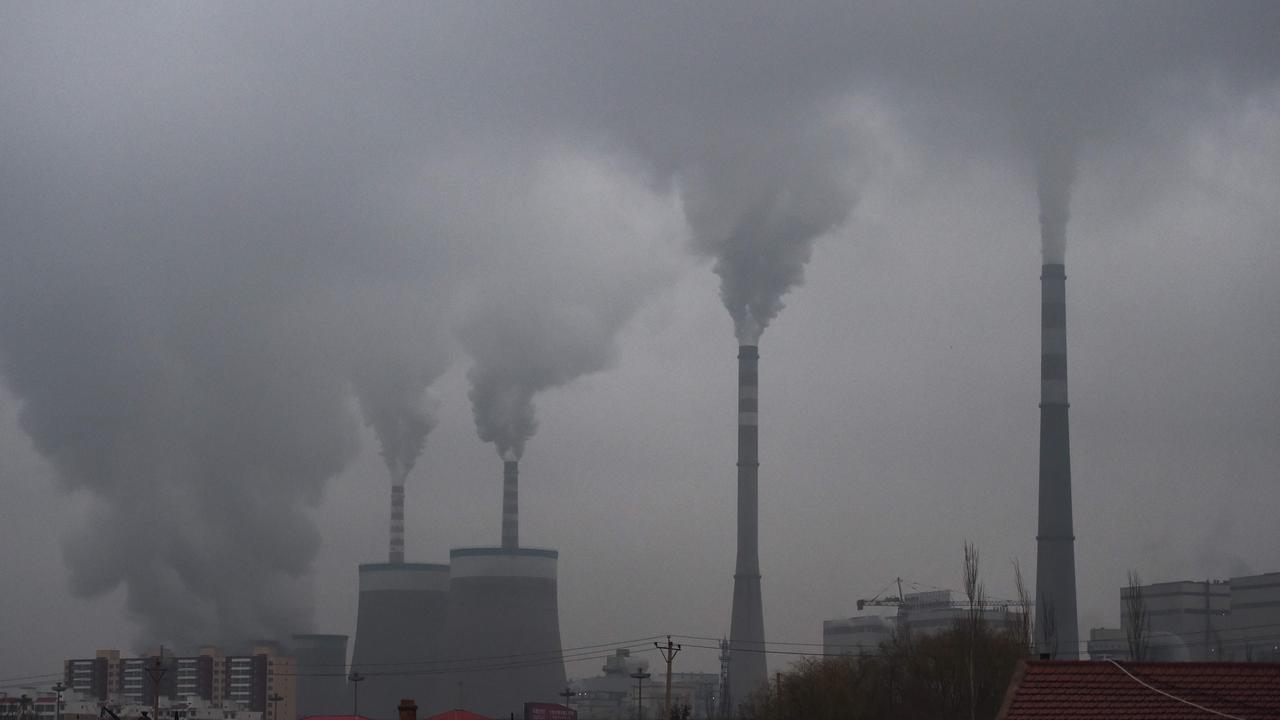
1171, 696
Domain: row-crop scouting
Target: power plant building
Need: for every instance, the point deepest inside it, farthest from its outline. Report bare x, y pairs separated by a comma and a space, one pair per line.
1200, 620
925, 613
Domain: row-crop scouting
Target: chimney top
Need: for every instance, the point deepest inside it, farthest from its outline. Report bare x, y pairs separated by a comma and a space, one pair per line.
408, 709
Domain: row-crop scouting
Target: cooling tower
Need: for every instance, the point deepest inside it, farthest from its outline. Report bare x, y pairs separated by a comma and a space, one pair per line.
399, 632
747, 670
1056, 631
321, 662
504, 630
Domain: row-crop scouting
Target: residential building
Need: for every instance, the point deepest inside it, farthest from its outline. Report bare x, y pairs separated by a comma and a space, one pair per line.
236, 682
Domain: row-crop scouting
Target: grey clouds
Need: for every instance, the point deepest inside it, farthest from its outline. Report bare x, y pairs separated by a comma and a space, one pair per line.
227, 231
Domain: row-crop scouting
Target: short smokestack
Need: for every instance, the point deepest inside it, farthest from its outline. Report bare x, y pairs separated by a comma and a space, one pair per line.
408, 709
1056, 629
510, 504
747, 667
395, 555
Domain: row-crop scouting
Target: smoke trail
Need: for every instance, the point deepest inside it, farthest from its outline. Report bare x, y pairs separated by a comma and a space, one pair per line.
401, 415
530, 342
578, 249
1055, 174
757, 208
395, 361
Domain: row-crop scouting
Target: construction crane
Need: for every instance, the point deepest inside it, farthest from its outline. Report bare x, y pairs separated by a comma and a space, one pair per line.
879, 601
899, 600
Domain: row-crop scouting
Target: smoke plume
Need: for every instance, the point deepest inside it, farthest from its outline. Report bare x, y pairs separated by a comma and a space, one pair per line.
757, 207
395, 361
573, 268
1055, 172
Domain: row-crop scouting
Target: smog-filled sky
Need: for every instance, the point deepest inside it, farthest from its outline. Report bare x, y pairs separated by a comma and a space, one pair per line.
248, 251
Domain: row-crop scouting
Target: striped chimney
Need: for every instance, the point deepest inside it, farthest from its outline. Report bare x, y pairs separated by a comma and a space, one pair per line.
1056, 628
746, 628
396, 554
510, 504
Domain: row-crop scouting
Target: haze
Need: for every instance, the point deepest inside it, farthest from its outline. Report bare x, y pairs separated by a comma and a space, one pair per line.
238, 243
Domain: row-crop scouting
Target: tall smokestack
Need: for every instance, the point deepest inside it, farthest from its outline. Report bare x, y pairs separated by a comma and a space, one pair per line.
1056, 631
395, 555
746, 629
510, 504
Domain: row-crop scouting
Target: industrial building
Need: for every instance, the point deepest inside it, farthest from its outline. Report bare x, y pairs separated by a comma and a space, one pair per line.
239, 681
1187, 620
858, 635
927, 613
613, 694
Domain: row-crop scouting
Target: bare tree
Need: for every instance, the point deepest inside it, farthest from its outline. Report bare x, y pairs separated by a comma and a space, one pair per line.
1137, 630
1046, 619
1025, 629
974, 592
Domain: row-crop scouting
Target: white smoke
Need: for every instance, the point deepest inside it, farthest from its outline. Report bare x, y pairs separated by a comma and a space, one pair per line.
580, 246
1055, 173
756, 207
394, 362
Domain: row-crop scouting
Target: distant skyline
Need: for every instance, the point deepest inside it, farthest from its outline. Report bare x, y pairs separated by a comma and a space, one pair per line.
217, 223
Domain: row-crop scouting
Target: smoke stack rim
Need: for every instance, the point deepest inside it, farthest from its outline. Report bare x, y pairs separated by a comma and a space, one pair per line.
485, 562
1053, 270
491, 551
403, 567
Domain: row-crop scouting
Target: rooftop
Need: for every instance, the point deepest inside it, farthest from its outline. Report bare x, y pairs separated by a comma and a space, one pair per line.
1085, 690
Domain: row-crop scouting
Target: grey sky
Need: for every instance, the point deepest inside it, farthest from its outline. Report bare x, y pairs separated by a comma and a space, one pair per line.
215, 218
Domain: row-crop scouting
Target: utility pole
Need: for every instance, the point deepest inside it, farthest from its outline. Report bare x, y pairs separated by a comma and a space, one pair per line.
640, 676
275, 698
57, 711
355, 678
156, 671
567, 694
669, 653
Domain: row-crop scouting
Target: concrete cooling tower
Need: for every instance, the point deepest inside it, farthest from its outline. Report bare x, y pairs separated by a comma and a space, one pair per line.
503, 637
321, 662
400, 627
1055, 623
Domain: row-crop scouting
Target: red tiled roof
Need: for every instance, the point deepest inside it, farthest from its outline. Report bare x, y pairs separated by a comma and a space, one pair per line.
1094, 690
457, 715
